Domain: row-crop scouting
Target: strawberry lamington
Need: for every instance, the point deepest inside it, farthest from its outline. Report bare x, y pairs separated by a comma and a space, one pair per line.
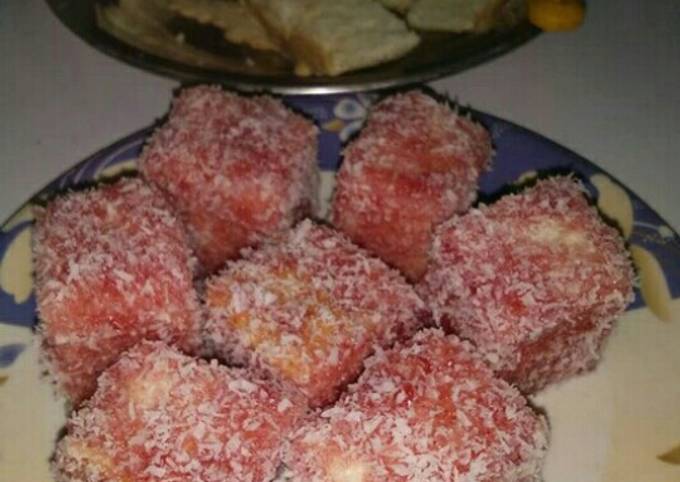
309, 310
535, 281
160, 416
414, 164
113, 267
238, 169
429, 411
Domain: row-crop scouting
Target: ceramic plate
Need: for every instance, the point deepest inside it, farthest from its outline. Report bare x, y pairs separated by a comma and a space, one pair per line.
206, 58
620, 423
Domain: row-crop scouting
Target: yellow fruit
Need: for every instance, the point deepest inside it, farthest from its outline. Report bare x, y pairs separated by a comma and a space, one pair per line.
557, 15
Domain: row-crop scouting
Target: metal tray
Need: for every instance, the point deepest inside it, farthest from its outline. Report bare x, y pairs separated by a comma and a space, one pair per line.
438, 55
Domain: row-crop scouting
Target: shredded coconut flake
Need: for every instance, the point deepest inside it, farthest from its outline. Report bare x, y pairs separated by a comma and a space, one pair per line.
415, 164
238, 169
113, 267
541, 306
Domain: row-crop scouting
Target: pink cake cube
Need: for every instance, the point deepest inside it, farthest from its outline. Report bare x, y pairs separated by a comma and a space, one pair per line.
429, 411
238, 169
414, 165
308, 310
158, 415
113, 267
535, 281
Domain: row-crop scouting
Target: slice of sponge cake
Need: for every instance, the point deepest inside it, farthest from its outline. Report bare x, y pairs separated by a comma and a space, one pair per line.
454, 15
236, 20
400, 6
329, 37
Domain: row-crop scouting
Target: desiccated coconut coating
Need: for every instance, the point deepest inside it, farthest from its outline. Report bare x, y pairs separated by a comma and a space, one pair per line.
158, 415
113, 267
238, 169
414, 165
429, 411
535, 281
309, 310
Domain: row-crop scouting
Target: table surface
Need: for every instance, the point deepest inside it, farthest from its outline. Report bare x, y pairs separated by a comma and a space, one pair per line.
609, 91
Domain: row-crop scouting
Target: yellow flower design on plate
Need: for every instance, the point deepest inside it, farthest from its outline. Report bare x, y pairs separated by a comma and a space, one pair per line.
16, 268
335, 125
22, 215
125, 167
525, 177
653, 284
614, 202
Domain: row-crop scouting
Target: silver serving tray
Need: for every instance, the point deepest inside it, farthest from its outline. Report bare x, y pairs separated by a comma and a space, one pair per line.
438, 55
